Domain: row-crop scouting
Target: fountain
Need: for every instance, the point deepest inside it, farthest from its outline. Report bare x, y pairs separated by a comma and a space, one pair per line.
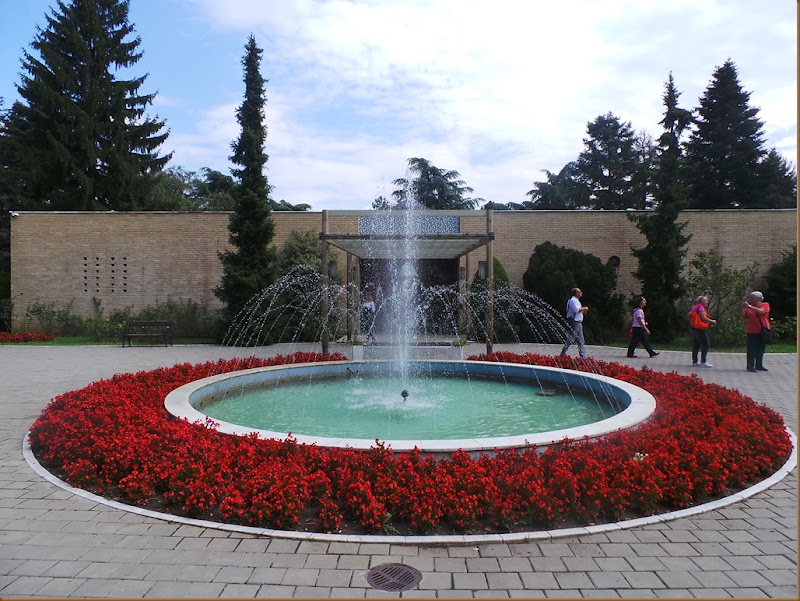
412, 318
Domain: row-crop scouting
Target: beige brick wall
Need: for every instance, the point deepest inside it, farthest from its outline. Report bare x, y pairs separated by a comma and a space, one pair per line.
132, 260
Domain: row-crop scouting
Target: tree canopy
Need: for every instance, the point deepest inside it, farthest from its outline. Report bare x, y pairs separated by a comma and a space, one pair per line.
79, 138
432, 187
727, 164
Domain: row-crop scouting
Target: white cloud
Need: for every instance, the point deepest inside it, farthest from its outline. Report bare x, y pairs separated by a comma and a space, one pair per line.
498, 91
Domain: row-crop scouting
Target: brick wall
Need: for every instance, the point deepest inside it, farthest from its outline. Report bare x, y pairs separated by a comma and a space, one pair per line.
132, 260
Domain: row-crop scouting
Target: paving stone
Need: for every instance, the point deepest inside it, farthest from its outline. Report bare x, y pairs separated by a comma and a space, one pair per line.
637, 593
300, 576
24, 585
266, 576
470, 581
272, 591
748, 578
505, 581
714, 579
577, 580
349, 593
335, 578
482, 564
490, 595
601, 594
61, 587
233, 575
563, 594
450, 564
710, 593
312, 592
580, 564
609, 580
643, 580
548, 564
677, 578
239, 591
527, 594
436, 581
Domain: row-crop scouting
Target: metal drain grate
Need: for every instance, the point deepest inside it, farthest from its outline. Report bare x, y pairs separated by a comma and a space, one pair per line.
393, 577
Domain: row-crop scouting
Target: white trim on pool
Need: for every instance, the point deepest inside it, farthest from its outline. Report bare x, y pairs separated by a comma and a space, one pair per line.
639, 404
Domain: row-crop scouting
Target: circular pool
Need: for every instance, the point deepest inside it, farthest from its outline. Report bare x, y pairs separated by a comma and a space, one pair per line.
444, 406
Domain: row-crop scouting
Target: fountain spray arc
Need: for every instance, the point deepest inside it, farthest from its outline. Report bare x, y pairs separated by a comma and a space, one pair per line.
406, 237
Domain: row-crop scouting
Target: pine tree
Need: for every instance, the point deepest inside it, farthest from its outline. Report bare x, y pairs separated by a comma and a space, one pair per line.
661, 260
724, 151
609, 164
251, 266
79, 139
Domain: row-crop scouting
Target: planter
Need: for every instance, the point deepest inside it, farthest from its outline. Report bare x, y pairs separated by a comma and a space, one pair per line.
456, 353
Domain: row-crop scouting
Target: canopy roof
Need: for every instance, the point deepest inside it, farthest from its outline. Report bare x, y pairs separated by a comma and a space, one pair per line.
398, 246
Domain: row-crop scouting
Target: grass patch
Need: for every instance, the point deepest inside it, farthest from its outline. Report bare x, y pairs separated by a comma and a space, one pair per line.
89, 341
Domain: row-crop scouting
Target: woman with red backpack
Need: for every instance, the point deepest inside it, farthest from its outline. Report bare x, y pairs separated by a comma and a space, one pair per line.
699, 320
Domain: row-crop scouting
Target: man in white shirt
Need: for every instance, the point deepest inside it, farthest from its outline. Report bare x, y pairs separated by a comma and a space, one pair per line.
575, 313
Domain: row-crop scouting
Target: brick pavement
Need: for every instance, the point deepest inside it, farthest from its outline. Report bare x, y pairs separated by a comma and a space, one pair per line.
56, 544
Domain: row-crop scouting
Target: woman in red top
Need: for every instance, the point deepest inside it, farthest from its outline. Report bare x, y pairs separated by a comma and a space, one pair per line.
756, 311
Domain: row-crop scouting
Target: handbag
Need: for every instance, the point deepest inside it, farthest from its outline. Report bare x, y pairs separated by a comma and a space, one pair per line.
766, 335
696, 322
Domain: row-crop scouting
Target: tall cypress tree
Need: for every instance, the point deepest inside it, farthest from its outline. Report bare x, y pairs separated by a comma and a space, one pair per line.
251, 266
724, 151
79, 139
661, 260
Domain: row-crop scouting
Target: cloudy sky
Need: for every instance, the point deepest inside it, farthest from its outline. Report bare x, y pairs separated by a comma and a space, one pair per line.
498, 91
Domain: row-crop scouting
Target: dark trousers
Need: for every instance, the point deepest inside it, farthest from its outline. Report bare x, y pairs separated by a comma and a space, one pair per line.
700, 343
755, 351
639, 335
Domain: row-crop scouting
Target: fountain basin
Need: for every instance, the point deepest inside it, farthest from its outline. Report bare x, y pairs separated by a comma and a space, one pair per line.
636, 404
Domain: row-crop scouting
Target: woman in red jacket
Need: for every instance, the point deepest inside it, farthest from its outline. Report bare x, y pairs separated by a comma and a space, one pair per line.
756, 311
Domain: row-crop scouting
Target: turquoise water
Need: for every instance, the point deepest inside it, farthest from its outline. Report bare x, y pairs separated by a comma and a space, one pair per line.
439, 407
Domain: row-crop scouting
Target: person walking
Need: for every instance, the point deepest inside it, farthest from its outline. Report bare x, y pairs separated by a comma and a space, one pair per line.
640, 332
756, 311
575, 313
368, 317
699, 320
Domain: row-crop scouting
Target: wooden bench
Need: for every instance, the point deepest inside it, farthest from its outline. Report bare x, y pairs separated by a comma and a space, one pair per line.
156, 330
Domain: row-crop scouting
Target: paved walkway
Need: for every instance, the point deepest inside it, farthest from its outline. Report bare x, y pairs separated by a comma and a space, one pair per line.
55, 544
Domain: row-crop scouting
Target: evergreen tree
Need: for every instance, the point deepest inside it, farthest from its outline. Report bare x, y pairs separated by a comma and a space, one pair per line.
609, 164
661, 260
433, 188
561, 191
777, 182
724, 151
250, 267
79, 139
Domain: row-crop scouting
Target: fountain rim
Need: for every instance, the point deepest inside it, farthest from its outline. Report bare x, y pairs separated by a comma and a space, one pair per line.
182, 403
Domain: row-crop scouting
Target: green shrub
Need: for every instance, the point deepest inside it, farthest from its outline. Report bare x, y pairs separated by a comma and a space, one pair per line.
553, 271
5, 314
780, 288
191, 320
785, 329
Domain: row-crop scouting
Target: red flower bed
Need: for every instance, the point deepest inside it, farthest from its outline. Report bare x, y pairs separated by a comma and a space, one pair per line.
115, 438
25, 337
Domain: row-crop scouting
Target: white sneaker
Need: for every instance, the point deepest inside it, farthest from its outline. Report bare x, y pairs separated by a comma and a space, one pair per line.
706, 364
695, 364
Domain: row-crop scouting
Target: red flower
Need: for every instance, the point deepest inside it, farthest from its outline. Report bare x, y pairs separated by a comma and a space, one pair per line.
115, 438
